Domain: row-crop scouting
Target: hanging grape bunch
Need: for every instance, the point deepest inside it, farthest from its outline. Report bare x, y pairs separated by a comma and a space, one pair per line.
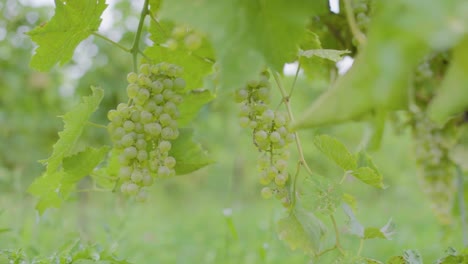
143, 129
184, 36
436, 171
270, 135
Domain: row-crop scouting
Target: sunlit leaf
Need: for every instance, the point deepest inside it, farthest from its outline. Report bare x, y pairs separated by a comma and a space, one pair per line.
336, 151
193, 102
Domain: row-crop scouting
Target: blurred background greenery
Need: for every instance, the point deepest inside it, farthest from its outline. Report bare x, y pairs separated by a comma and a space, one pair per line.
215, 215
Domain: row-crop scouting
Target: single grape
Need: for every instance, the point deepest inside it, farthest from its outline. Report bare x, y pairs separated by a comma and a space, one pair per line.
267, 193
132, 77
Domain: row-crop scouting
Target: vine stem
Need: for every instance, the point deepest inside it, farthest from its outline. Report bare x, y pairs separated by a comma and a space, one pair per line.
357, 33
337, 235
111, 41
361, 245
136, 42
286, 99
461, 204
96, 125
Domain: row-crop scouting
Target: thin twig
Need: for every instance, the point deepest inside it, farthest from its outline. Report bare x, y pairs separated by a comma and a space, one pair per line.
111, 42
136, 42
337, 235
295, 79
357, 33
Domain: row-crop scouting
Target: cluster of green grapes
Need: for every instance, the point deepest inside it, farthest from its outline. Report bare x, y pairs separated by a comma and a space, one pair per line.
143, 129
437, 175
361, 10
188, 37
270, 135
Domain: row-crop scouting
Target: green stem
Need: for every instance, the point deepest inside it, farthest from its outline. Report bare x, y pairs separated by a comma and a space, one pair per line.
286, 99
136, 42
360, 37
158, 24
361, 245
96, 125
337, 235
295, 79
111, 42
461, 204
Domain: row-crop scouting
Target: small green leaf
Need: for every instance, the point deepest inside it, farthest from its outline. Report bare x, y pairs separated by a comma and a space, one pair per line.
355, 227
350, 200
329, 54
369, 176
412, 257
83, 163
190, 156
302, 230
320, 195
336, 151
193, 102
396, 260
74, 122
72, 23
50, 190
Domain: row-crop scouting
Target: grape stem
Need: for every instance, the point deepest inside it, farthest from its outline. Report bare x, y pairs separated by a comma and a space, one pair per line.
136, 42
96, 125
111, 41
361, 245
357, 33
337, 235
286, 99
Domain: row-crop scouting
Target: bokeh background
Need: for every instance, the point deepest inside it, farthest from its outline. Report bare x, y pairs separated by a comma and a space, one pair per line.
215, 215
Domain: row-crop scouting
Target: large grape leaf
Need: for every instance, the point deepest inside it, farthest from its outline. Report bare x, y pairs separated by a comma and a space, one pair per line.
50, 190
452, 98
381, 73
72, 23
246, 35
74, 122
190, 156
302, 230
193, 102
336, 151
83, 163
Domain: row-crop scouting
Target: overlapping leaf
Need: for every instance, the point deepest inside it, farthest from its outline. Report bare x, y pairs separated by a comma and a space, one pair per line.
336, 151
72, 23
193, 102
246, 35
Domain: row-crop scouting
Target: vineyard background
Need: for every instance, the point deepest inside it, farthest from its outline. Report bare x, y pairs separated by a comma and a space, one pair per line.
214, 215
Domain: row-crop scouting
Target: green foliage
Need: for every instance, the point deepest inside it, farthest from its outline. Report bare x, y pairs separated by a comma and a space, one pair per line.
190, 155
333, 55
72, 23
302, 230
336, 151
193, 102
247, 35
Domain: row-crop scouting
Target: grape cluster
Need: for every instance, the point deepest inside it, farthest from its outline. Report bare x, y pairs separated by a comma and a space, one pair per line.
185, 36
270, 135
436, 171
361, 11
143, 129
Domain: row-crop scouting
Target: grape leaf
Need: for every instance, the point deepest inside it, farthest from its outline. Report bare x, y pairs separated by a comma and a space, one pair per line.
396, 260
246, 35
196, 64
380, 74
369, 176
104, 176
72, 23
193, 102
452, 97
49, 189
320, 195
412, 257
385, 232
74, 122
355, 227
336, 151
302, 230
333, 55
190, 156
83, 163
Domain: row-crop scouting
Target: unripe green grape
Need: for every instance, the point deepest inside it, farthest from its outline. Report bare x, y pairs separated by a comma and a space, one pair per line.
137, 176
176, 134
171, 44
158, 98
280, 120
168, 83
143, 95
142, 155
157, 87
193, 41
260, 108
167, 133
146, 117
164, 171
281, 179
241, 95
142, 196
165, 119
118, 133
179, 84
177, 99
168, 94
141, 144
282, 130
266, 192
264, 94
281, 164
290, 137
179, 32
139, 128
261, 136
170, 162
147, 180
268, 115
264, 179
125, 173
253, 124
132, 189
132, 77
164, 146
129, 126
245, 110
272, 172
135, 117
244, 121
275, 137
112, 114
127, 140
252, 83
130, 152
285, 202
117, 120
143, 80
145, 69
153, 129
